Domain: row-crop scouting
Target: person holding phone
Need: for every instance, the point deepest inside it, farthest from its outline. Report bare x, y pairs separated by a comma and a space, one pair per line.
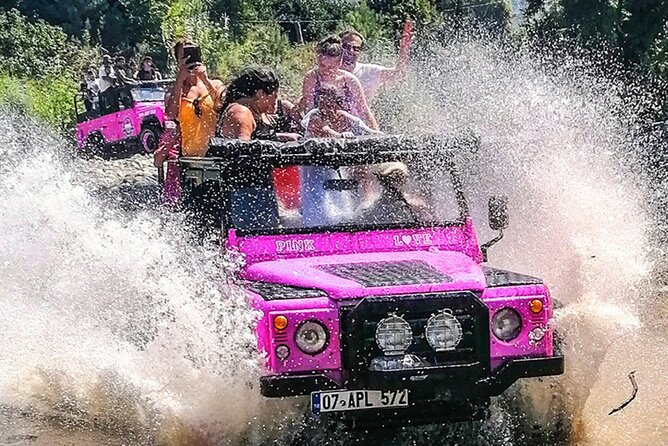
373, 76
196, 100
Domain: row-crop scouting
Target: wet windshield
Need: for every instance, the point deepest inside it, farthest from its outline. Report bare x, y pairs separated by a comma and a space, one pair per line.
152, 94
310, 198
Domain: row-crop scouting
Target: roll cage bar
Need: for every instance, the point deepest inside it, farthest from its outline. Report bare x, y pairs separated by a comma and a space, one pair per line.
331, 151
205, 181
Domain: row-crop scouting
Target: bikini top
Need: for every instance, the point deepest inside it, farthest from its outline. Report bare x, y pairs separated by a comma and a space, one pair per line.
346, 93
197, 118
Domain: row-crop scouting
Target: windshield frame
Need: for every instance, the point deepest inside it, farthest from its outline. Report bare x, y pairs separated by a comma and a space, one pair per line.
136, 88
225, 210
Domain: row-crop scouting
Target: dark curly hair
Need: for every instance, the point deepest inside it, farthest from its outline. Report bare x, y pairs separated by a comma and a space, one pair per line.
248, 82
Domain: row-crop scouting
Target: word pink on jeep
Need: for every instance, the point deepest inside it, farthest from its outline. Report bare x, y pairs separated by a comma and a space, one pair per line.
374, 293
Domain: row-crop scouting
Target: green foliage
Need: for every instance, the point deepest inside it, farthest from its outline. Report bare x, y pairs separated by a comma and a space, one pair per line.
369, 23
267, 46
630, 26
50, 42
422, 12
318, 17
643, 23
190, 19
658, 54
49, 99
32, 49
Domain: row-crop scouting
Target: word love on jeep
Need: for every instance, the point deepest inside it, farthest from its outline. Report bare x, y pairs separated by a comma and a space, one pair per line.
373, 290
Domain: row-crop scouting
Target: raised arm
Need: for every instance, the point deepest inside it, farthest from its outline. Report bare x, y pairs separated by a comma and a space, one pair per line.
361, 103
173, 101
307, 102
399, 70
214, 86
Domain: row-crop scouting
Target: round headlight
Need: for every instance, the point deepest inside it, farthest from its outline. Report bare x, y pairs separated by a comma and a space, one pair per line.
311, 337
506, 324
443, 331
394, 335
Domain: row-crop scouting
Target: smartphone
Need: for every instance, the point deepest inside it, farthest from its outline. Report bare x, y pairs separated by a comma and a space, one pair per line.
192, 55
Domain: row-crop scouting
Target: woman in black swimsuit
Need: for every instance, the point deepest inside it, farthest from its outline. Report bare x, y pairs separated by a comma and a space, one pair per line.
251, 101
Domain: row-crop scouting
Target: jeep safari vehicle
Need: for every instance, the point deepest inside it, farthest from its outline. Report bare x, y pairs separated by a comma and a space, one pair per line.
139, 118
374, 295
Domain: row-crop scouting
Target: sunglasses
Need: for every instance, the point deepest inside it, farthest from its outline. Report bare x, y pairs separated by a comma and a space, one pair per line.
351, 47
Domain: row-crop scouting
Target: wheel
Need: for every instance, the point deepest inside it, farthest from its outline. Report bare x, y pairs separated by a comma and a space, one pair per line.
94, 144
148, 138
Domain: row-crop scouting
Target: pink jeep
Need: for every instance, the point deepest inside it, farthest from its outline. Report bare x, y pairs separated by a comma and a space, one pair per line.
374, 293
139, 119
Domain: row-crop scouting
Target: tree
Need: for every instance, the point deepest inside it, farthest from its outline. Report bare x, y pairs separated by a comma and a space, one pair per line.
422, 12
33, 49
642, 25
369, 23
629, 26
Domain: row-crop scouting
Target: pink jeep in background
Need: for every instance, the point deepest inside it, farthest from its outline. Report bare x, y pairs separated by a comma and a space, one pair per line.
139, 120
374, 293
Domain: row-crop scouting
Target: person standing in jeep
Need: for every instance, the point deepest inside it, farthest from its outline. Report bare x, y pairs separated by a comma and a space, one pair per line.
121, 69
147, 71
107, 96
373, 76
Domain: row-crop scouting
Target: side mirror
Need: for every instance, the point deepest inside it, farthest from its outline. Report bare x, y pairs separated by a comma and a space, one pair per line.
498, 213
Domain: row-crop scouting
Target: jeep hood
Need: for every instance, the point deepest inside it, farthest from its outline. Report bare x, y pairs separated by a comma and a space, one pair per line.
374, 274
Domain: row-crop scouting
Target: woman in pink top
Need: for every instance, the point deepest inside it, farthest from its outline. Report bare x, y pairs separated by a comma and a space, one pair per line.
329, 72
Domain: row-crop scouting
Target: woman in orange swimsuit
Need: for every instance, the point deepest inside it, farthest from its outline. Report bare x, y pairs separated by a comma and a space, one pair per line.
196, 101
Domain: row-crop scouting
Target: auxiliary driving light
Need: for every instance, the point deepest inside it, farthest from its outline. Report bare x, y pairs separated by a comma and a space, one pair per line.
282, 351
280, 322
311, 337
443, 331
394, 335
506, 324
536, 306
537, 334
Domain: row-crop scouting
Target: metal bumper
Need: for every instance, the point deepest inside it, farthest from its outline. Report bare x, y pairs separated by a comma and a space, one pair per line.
422, 381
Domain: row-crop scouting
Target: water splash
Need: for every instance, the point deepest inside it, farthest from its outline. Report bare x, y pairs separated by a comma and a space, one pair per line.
560, 142
115, 322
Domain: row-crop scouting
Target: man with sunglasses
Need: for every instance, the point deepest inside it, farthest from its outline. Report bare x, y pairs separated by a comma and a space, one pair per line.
373, 76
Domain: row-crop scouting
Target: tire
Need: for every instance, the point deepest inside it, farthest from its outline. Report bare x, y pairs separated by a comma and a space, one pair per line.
94, 144
149, 137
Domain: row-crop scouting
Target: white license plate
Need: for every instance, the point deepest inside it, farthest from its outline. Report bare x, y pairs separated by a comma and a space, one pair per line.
337, 401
